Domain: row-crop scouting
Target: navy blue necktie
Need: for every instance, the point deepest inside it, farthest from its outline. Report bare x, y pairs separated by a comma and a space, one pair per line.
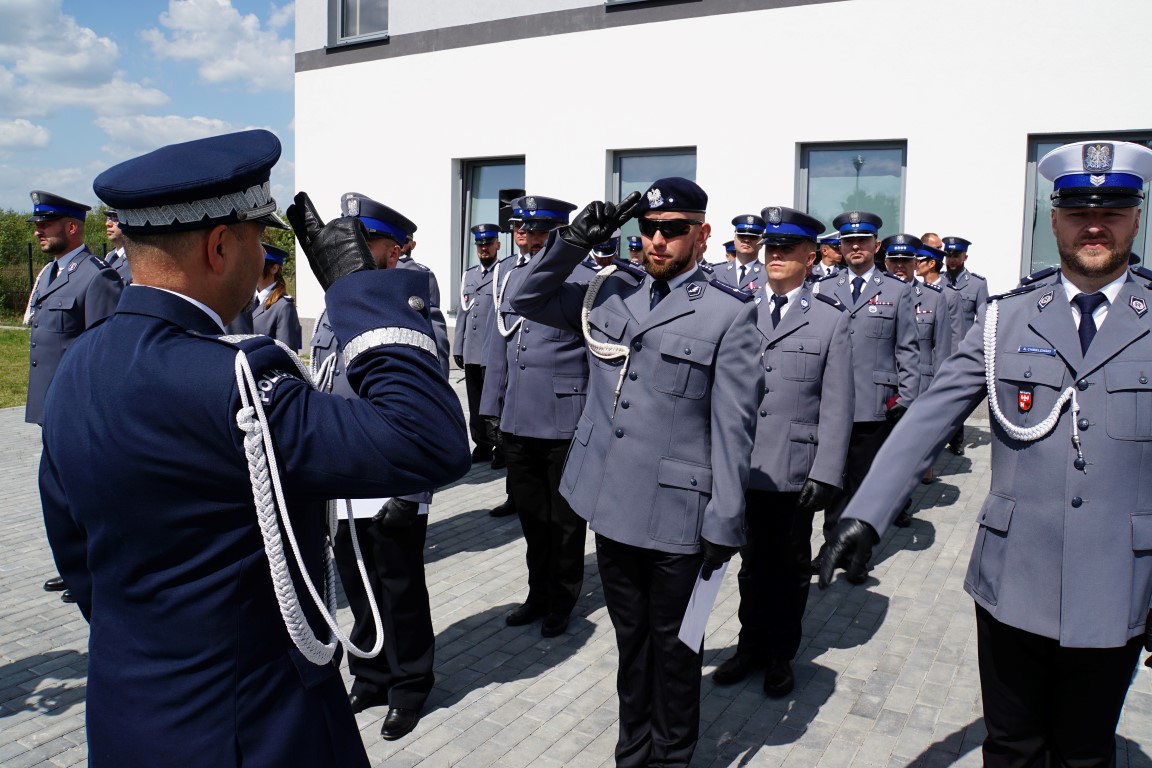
740, 279
53, 272
659, 291
778, 303
1087, 304
857, 286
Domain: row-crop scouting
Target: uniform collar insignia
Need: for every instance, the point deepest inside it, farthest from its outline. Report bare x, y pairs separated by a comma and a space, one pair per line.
72, 266
877, 280
694, 291
1138, 304
804, 302
843, 280
1045, 300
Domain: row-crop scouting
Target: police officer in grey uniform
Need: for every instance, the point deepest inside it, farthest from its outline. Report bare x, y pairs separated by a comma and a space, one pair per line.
930, 262
803, 424
274, 314
973, 292
885, 358
745, 271
831, 261
1061, 571
660, 460
473, 327
116, 258
392, 542
537, 386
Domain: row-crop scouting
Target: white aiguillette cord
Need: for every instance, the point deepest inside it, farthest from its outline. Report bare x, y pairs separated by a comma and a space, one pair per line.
271, 508
1024, 434
602, 349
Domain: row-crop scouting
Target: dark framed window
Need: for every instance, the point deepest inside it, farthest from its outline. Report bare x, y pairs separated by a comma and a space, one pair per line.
484, 184
635, 170
1039, 246
854, 176
356, 21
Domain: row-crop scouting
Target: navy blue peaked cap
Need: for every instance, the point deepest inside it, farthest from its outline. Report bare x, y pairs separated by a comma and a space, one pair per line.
274, 254
674, 193
47, 206
635, 243
953, 244
788, 225
901, 245
857, 224
541, 213
195, 184
748, 224
378, 219
484, 233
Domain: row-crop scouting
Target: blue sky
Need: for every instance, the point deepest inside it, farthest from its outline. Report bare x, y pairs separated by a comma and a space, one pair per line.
85, 84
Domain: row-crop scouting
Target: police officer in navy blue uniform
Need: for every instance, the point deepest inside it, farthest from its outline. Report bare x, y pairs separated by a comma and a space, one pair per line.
660, 459
73, 292
116, 258
274, 314
189, 656
1061, 569
745, 270
392, 543
473, 327
537, 386
885, 358
802, 429
604, 254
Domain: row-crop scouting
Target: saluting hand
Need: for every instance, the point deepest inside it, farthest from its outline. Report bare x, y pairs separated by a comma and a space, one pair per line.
598, 221
335, 249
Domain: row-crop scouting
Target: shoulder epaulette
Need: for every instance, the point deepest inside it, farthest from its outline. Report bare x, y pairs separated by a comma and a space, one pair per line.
422, 266
1038, 275
288, 298
707, 268
99, 262
886, 273
1141, 271
635, 270
829, 300
730, 290
936, 288
1017, 291
827, 277
592, 266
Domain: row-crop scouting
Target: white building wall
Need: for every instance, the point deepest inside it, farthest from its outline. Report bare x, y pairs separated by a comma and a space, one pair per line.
963, 83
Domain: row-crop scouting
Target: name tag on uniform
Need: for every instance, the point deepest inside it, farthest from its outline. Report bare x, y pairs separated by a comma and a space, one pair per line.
1037, 350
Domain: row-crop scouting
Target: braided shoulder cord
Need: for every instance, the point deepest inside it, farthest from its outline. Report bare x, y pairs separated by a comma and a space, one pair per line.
498, 299
602, 349
1025, 434
271, 510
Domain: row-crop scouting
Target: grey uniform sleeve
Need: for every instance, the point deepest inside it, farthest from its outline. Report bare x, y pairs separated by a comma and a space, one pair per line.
907, 349
837, 405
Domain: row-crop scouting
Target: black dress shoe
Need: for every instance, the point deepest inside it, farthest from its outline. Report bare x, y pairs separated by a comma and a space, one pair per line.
55, 584
903, 520
67, 597
481, 455
736, 669
779, 680
398, 723
554, 624
857, 572
957, 449
523, 614
363, 701
503, 510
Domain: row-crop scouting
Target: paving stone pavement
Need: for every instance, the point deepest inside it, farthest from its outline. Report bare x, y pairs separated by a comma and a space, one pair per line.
887, 672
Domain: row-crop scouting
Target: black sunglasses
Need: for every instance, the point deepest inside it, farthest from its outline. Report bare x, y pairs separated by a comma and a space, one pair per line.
670, 228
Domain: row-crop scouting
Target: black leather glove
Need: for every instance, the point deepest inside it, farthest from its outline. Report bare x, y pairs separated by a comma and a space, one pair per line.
715, 555
459, 360
596, 223
397, 513
816, 495
492, 430
846, 536
895, 412
335, 249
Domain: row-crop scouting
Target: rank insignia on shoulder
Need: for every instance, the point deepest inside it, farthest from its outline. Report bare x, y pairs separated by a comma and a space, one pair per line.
694, 291
1139, 305
1142, 271
1017, 291
1039, 275
730, 290
830, 300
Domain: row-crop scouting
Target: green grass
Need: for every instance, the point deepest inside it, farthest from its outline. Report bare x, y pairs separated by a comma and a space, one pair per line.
13, 367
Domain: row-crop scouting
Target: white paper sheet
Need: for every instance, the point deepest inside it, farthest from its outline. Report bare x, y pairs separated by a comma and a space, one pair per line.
700, 607
367, 508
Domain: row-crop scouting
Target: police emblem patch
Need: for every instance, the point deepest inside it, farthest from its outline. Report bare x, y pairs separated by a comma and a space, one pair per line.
353, 204
35, 198
655, 199
694, 291
877, 280
1098, 157
749, 219
1139, 305
773, 216
1024, 400
872, 309
530, 203
1045, 300
854, 217
803, 302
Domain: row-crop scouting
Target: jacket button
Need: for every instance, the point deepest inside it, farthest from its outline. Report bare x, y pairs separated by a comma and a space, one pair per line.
523, 347
637, 345
1082, 385
1082, 424
692, 482
1143, 379
575, 388
33, 363
687, 350
619, 433
1077, 501
521, 366
624, 404
1027, 374
801, 347
763, 413
632, 375
768, 368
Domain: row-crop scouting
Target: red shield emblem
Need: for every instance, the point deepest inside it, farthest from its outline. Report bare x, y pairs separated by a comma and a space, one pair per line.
1024, 400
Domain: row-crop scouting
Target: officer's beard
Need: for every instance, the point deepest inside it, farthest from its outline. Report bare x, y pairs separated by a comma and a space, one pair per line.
1085, 260
671, 267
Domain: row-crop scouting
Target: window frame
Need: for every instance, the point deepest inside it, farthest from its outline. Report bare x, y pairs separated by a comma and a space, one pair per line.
336, 24
612, 185
462, 245
802, 181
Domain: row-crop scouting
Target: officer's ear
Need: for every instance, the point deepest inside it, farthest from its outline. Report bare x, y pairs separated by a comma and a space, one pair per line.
216, 247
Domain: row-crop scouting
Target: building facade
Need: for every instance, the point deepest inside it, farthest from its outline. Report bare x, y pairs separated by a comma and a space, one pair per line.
932, 114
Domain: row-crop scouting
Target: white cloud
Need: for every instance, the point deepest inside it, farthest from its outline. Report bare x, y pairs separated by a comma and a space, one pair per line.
22, 134
227, 48
132, 136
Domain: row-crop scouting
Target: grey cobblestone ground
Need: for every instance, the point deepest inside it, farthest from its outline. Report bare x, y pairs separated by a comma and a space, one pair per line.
886, 677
